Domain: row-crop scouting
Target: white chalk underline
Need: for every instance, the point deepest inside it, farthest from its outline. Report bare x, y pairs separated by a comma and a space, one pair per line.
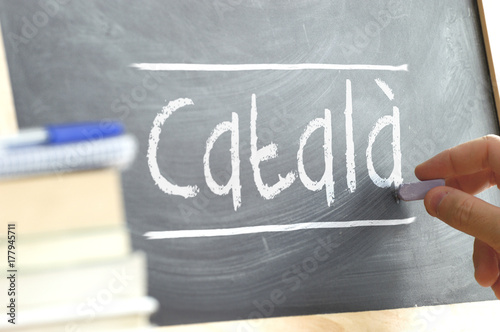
273, 228
262, 66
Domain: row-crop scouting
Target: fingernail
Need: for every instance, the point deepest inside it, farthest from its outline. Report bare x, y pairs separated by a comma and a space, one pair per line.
436, 200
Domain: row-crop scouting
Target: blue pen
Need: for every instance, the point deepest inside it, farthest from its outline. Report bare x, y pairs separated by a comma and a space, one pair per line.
62, 133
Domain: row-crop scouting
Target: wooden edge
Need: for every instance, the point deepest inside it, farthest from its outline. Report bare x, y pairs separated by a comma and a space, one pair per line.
475, 316
492, 46
8, 121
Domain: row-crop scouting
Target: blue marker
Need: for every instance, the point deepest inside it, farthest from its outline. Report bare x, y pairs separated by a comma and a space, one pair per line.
63, 133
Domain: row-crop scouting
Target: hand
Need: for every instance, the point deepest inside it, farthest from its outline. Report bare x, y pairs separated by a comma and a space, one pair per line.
469, 169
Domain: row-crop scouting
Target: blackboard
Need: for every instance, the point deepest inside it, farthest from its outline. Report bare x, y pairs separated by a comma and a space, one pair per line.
343, 97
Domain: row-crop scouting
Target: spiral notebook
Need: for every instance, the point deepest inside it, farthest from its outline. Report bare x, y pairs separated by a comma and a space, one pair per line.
116, 151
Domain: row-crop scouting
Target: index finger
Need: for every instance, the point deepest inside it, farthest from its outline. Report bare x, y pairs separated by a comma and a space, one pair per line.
467, 158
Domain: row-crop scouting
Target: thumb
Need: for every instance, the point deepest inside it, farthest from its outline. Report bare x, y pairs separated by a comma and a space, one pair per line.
466, 213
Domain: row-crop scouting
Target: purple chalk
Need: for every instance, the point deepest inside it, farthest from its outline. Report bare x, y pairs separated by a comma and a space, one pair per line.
417, 190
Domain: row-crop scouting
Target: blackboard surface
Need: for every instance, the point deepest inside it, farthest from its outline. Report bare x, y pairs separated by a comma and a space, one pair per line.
73, 60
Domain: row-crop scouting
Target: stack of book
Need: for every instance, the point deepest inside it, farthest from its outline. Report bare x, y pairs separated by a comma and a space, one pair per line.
67, 254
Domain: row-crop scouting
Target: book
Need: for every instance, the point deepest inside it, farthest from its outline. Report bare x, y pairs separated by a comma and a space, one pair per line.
88, 285
70, 201
119, 314
71, 248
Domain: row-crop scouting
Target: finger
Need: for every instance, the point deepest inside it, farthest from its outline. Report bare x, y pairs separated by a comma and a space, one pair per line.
473, 183
467, 158
485, 264
466, 213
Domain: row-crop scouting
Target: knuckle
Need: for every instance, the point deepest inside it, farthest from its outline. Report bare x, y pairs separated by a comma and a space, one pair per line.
464, 213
